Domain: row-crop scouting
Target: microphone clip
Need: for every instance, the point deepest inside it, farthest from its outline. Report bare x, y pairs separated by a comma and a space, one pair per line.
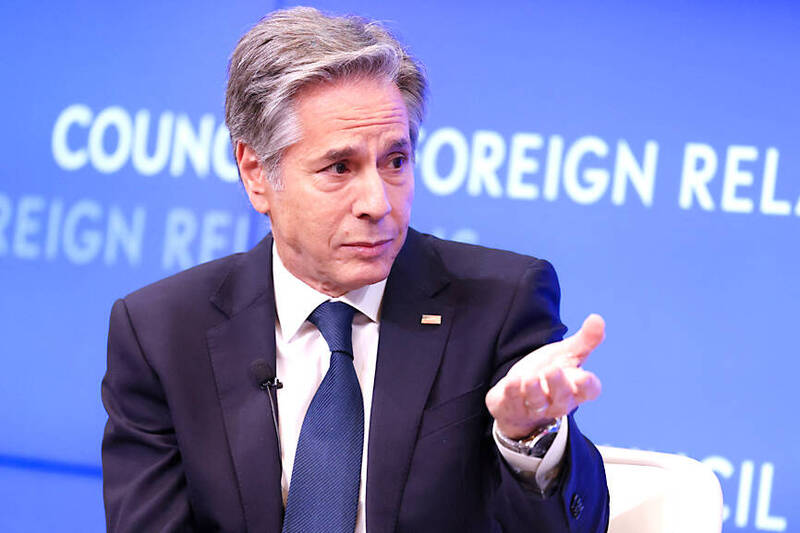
270, 383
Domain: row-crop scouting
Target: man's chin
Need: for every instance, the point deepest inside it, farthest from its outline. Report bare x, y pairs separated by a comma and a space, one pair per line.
370, 277
366, 274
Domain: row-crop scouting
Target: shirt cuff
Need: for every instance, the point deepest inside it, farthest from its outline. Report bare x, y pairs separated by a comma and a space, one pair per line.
544, 470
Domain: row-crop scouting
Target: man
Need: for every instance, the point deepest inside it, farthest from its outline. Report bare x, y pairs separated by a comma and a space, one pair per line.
394, 347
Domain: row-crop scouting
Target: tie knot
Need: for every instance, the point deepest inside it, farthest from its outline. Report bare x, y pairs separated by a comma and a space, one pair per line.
335, 321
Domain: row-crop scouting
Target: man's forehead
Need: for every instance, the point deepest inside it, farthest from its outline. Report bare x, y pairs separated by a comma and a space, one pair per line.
340, 119
372, 121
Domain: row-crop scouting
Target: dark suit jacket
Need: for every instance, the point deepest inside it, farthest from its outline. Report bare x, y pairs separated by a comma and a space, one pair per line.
190, 443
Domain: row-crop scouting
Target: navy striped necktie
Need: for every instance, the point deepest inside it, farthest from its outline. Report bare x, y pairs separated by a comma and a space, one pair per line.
323, 493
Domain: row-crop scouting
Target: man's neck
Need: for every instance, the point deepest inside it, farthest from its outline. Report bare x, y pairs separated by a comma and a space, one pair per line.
295, 299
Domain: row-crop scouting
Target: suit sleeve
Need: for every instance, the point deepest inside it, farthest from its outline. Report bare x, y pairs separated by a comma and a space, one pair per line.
579, 500
144, 487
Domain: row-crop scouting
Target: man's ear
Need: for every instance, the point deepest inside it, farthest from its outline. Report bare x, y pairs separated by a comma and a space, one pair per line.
254, 177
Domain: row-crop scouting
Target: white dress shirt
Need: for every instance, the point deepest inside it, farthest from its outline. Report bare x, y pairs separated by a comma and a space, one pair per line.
302, 358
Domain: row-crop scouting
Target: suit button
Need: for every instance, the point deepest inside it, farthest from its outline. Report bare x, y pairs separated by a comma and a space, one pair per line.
576, 506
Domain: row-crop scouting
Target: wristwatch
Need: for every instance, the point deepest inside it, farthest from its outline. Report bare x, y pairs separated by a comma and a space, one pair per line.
537, 443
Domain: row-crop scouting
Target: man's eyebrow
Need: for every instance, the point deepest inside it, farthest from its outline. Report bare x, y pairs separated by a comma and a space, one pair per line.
344, 152
335, 154
398, 145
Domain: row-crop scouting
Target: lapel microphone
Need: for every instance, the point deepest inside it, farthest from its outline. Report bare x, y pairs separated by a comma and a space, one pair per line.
264, 378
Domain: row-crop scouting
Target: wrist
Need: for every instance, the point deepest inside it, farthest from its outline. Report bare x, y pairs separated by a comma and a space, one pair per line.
525, 431
536, 443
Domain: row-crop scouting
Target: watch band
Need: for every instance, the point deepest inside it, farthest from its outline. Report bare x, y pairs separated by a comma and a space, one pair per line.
537, 443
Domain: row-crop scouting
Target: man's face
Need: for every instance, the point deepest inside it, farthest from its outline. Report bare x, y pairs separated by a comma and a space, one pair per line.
342, 214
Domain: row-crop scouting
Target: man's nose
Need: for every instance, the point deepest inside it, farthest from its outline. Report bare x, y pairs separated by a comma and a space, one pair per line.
371, 200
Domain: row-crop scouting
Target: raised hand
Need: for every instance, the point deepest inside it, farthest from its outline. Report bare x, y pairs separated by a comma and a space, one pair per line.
547, 383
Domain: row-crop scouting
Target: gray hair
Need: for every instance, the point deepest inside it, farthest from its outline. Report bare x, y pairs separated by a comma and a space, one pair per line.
294, 48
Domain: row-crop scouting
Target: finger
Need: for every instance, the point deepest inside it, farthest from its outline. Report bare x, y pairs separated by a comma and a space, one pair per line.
561, 396
506, 403
535, 397
586, 385
580, 345
505, 400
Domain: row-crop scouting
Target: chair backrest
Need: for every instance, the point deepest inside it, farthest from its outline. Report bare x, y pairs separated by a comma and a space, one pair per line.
655, 492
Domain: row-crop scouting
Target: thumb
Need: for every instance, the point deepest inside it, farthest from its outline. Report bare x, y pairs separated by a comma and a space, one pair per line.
586, 339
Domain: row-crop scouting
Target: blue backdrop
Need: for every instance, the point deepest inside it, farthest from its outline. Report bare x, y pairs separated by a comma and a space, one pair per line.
648, 150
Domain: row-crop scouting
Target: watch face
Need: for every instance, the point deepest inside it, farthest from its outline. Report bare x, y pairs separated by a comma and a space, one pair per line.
541, 445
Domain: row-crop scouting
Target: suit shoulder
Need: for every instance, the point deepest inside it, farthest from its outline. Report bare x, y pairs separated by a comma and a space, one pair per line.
187, 288
472, 260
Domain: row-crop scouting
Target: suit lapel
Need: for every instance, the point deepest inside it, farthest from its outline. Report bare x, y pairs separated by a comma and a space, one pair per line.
409, 354
246, 296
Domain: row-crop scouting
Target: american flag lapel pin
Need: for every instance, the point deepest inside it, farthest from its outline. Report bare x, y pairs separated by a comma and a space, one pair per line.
434, 320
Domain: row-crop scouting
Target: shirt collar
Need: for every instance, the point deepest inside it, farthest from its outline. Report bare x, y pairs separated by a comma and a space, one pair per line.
295, 300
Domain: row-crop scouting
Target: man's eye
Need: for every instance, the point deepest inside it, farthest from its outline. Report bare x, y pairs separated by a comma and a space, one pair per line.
398, 162
338, 168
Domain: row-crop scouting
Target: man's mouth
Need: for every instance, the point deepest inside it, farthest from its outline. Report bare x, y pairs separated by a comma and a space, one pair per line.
369, 248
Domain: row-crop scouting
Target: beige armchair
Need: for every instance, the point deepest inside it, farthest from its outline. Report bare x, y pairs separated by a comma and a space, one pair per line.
661, 493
